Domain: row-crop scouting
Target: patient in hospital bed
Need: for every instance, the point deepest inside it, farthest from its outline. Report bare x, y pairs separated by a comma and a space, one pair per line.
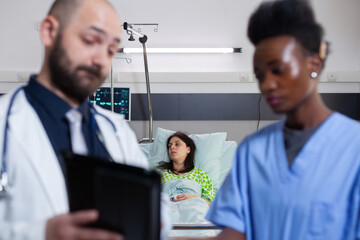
190, 189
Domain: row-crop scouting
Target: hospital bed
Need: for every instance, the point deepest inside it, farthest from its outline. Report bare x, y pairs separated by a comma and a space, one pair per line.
214, 155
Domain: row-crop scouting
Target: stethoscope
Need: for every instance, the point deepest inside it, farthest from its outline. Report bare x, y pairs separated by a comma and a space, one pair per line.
4, 183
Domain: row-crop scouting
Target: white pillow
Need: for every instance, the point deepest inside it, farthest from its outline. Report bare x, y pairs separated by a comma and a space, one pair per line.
207, 156
227, 157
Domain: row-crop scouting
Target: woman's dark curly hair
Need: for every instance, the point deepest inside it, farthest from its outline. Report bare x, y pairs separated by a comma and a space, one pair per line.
189, 161
286, 17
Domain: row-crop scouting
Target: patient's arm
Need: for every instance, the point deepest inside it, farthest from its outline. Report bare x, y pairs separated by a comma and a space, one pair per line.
184, 196
226, 234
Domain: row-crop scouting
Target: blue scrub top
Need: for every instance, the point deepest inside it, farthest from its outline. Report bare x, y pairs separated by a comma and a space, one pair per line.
318, 197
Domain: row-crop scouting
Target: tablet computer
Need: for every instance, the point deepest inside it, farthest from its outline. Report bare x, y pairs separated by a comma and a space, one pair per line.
127, 197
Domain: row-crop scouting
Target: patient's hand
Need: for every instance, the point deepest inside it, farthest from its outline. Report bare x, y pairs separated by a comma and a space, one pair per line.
182, 197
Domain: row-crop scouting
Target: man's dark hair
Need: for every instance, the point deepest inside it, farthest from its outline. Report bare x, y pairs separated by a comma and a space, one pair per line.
189, 161
286, 17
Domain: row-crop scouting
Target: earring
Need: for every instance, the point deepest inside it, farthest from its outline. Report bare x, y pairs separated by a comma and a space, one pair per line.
314, 74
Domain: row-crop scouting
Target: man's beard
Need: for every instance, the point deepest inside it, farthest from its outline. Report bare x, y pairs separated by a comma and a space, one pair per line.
68, 81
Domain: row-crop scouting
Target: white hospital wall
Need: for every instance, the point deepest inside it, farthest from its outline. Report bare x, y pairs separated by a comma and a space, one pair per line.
187, 23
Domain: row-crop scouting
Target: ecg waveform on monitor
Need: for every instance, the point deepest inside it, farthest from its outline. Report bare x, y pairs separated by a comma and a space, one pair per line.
102, 98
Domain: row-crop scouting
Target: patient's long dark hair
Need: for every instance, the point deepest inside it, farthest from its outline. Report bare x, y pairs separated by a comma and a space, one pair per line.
189, 161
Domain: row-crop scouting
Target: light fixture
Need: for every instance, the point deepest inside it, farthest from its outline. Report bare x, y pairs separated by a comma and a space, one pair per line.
181, 50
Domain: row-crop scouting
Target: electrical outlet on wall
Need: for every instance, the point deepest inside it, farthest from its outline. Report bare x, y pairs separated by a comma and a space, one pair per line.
24, 76
244, 77
331, 77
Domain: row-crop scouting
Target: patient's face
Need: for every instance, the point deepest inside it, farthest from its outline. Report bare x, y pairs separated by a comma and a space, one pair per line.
178, 150
282, 70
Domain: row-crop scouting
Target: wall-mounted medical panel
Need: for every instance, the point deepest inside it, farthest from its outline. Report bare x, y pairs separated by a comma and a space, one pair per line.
227, 106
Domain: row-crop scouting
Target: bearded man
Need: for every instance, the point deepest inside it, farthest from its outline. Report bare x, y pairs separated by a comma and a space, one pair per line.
80, 39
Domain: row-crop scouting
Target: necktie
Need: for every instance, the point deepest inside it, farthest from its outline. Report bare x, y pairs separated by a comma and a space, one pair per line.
78, 143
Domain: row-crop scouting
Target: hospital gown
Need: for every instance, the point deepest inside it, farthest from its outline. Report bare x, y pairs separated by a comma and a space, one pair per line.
192, 210
316, 198
197, 175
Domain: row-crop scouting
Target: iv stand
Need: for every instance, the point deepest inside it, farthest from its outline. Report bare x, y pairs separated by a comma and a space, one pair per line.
150, 139
143, 38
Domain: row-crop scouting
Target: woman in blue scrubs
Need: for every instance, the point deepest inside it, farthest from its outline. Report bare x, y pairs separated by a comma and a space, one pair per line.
299, 178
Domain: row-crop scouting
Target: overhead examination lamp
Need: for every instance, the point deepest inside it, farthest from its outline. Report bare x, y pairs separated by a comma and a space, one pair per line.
142, 39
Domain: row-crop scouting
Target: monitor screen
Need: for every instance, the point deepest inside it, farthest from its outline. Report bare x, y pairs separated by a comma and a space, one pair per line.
122, 96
